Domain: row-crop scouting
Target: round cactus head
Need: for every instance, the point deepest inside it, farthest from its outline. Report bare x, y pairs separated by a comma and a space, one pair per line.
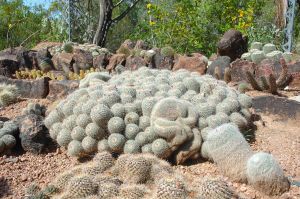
266, 175
116, 142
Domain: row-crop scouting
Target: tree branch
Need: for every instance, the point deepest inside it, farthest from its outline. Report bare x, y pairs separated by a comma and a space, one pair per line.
119, 3
121, 16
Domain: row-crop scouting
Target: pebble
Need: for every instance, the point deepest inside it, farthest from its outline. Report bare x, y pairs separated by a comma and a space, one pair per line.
243, 188
24, 178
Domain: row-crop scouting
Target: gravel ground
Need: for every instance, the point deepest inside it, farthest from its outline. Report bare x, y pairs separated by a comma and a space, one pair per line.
281, 138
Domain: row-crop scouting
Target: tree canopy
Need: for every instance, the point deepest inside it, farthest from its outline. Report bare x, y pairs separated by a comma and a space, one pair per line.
186, 25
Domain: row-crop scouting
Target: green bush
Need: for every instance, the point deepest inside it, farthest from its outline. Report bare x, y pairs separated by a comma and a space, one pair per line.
193, 25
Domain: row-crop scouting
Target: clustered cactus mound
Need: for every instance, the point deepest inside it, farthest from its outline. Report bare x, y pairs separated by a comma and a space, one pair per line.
173, 115
8, 94
129, 177
153, 111
259, 52
8, 133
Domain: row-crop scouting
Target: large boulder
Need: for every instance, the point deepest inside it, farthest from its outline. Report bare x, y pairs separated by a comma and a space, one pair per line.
36, 89
239, 68
233, 44
12, 59
195, 63
63, 61
83, 60
101, 60
115, 60
33, 133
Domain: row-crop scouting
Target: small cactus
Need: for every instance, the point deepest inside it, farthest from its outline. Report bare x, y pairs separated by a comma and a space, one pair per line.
265, 174
89, 144
75, 148
257, 56
131, 146
214, 189
116, 142
272, 85
8, 94
81, 186
68, 47
116, 125
267, 48
167, 51
256, 45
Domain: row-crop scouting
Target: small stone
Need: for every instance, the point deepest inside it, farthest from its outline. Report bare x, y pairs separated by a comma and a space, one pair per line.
24, 178
243, 189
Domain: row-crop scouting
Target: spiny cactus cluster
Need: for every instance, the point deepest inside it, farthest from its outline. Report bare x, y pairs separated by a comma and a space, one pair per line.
227, 74
259, 52
36, 74
229, 150
154, 111
130, 177
8, 94
68, 47
71, 46
8, 132
34, 108
167, 51
270, 84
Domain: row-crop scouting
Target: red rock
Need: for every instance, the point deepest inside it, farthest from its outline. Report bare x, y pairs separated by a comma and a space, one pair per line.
195, 63
101, 61
115, 60
62, 61
83, 60
60, 89
239, 68
133, 62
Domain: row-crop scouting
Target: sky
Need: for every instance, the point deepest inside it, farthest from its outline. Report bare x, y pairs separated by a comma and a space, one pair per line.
46, 3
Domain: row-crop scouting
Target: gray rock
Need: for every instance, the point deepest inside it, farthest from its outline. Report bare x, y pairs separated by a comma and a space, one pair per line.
33, 133
36, 89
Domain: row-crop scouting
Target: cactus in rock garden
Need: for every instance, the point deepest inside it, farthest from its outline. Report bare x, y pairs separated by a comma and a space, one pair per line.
167, 51
8, 94
119, 113
45, 65
214, 189
128, 177
265, 174
267, 48
8, 132
34, 108
68, 47
227, 74
229, 150
271, 85
256, 45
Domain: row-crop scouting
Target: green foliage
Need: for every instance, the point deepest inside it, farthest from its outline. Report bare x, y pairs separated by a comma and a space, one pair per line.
20, 24
194, 25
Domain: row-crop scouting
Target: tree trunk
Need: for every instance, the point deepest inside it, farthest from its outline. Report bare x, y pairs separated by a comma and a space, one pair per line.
105, 21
